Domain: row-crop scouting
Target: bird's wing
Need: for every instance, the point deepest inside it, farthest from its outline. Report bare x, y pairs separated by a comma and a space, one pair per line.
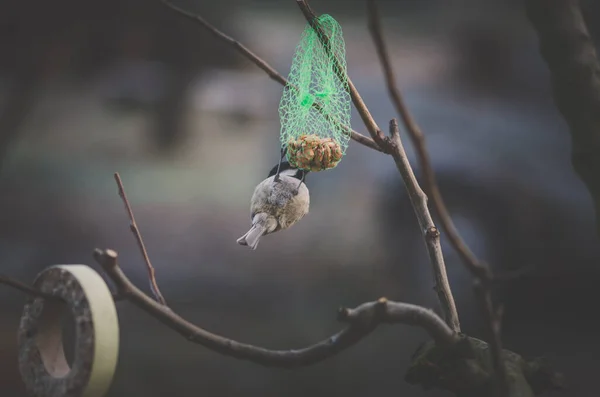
282, 191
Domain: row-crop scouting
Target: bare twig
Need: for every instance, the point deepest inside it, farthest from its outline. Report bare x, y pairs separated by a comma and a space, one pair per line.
138, 237
480, 270
418, 140
359, 104
25, 288
431, 235
261, 63
362, 321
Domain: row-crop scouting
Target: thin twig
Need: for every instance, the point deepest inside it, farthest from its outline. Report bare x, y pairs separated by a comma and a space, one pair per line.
359, 104
261, 63
418, 140
25, 288
480, 270
138, 237
362, 321
431, 235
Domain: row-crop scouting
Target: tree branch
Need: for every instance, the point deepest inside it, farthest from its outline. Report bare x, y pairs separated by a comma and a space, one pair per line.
25, 288
567, 48
431, 235
268, 69
418, 140
362, 321
480, 270
138, 237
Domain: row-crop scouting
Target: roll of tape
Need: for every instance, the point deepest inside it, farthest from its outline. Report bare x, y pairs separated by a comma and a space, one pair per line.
42, 361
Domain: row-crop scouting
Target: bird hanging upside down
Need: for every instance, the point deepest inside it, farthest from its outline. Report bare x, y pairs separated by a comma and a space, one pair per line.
278, 202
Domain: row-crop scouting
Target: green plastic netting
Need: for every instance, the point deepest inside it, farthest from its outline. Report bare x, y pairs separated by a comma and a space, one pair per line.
315, 106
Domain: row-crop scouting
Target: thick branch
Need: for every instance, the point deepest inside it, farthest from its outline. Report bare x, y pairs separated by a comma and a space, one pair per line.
568, 50
359, 104
431, 235
261, 63
362, 321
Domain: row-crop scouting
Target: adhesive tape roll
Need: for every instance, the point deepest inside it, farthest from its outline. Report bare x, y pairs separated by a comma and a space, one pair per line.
42, 361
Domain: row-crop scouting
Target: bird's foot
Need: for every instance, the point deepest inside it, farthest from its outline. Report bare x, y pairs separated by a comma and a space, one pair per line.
283, 153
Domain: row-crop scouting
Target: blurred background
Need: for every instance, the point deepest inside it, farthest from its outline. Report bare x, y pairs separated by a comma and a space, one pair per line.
88, 88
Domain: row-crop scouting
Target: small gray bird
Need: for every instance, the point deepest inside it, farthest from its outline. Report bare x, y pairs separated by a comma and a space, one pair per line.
277, 203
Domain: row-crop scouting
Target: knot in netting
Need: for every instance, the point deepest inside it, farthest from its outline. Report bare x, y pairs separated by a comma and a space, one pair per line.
315, 106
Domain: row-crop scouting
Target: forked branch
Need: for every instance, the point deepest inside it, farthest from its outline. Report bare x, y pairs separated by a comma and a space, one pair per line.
417, 138
361, 322
480, 270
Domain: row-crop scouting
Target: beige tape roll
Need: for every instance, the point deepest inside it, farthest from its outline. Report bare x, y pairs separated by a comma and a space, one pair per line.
42, 361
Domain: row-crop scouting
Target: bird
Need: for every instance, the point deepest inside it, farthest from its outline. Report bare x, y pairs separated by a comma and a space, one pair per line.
278, 202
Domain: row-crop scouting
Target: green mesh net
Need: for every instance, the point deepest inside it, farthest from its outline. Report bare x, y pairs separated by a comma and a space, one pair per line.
315, 106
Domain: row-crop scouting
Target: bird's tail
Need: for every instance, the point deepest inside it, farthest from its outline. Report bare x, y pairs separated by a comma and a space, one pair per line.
253, 236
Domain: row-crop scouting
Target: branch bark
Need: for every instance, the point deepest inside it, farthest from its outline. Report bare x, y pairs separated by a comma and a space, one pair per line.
361, 322
417, 138
431, 235
567, 48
